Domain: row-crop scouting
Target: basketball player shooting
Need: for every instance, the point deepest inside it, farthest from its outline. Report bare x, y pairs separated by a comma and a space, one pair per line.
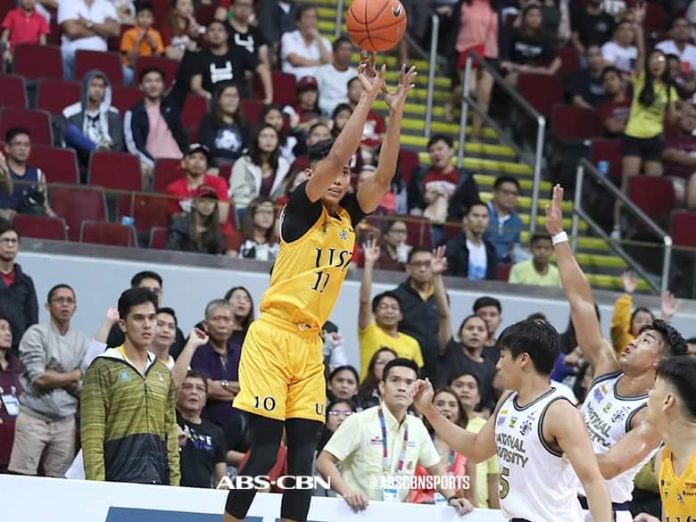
616, 401
281, 372
530, 430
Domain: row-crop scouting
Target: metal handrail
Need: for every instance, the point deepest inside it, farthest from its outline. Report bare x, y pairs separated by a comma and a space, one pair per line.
526, 107
431, 74
339, 18
579, 213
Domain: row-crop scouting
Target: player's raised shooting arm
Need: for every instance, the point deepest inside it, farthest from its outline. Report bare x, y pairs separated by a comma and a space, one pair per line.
348, 141
629, 451
563, 424
595, 347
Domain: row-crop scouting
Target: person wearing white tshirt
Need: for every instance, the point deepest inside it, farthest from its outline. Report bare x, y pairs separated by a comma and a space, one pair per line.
679, 44
333, 78
621, 51
303, 51
86, 25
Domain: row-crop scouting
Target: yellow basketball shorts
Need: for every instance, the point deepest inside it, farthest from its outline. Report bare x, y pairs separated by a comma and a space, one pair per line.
281, 371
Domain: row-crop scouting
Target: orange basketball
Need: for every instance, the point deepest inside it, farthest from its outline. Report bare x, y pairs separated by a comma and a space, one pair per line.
376, 25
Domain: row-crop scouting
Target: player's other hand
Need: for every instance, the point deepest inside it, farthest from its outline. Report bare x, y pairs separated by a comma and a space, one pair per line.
554, 212
357, 500
422, 394
644, 517
461, 505
371, 80
396, 99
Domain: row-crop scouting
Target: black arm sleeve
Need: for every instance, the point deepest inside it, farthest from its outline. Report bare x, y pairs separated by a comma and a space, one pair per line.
351, 204
299, 214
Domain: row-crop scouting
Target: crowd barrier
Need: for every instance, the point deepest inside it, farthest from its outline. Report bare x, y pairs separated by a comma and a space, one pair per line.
30, 499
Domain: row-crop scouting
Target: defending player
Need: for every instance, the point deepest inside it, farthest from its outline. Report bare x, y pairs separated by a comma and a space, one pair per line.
281, 372
530, 430
617, 398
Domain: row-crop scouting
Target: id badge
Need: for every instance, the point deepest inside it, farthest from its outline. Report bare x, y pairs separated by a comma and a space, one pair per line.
390, 493
11, 404
439, 499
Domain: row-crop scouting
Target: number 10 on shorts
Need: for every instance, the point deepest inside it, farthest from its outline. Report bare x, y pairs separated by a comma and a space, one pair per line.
267, 403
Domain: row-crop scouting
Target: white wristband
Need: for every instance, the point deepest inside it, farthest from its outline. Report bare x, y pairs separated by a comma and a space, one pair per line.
561, 237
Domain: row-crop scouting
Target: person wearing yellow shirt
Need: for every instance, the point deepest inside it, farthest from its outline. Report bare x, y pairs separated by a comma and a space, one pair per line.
378, 321
538, 271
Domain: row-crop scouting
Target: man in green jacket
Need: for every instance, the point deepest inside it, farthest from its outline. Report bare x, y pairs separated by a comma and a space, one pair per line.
128, 418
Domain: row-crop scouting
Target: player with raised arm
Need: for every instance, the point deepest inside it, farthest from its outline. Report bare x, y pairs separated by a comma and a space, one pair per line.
530, 430
281, 372
617, 398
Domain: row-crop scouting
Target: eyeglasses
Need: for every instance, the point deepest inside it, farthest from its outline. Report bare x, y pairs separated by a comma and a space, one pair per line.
9, 240
63, 300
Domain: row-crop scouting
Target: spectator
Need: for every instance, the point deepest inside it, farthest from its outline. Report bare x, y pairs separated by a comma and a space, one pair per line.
679, 155
374, 129
202, 457
615, 110
243, 313
679, 44
469, 254
395, 249
128, 425
181, 31
378, 323
224, 130
27, 184
51, 355
351, 447
505, 225
368, 392
340, 117
221, 63
18, 302
304, 50
388, 203
336, 412
276, 17
141, 40
260, 172
342, 383
198, 230
153, 127
587, 87
86, 25
165, 336
93, 123
477, 31
22, 25
530, 51
305, 113
490, 310
333, 77
10, 380
621, 51
537, 271
418, 307
684, 81
444, 192
317, 132
591, 25
244, 35
467, 387
289, 143
258, 229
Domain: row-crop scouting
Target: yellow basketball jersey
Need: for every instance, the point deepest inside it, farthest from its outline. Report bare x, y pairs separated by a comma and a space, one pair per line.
678, 493
308, 272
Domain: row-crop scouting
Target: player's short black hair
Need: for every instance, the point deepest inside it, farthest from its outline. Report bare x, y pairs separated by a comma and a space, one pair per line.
169, 311
320, 150
419, 249
57, 287
376, 300
145, 274
487, 300
674, 342
440, 137
505, 179
339, 41
148, 70
680, 373
134, 297
539, 236
399, 361
345, 367
13, 132
539, 340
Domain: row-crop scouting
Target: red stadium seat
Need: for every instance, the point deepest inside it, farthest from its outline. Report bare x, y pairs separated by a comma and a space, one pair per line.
570, 63
55, 95
147, 210
41, 227
408, 162
158, 238
166, 171
541, 91
13, 91
112, 234
37, 122
125, 98
607, 150
226, 172
252, 110
206, 13
59, 165
284, 88
108, 63
77, 204
169, 67
115, 170
653, 195
195, 108
38, 61
162, 8
683, 226
574, 123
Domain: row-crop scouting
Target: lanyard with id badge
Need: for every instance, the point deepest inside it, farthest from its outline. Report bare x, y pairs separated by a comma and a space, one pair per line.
9, 401
390, 488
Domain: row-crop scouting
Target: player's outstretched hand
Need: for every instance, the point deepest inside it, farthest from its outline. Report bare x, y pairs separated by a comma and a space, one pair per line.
462, 505
554, 212
438, 263
197, 338
644, 517
396, 99
372, 251
422, 394
357, 500
371, 80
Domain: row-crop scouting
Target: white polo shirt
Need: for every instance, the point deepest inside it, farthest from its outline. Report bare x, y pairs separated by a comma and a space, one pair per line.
294, 43
686, 56
357, 444
97, 13
333, 86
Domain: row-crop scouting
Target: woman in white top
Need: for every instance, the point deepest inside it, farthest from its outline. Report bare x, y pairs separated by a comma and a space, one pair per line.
621, 51
258, 227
